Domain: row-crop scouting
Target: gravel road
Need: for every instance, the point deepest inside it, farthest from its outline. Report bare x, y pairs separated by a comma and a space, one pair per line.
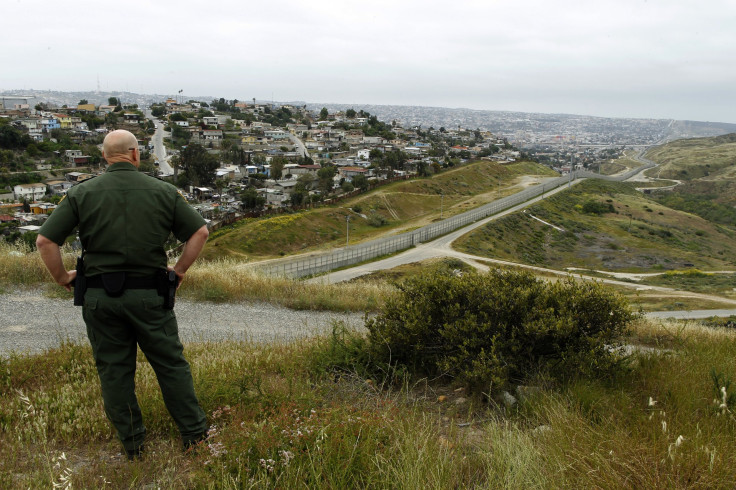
30, 322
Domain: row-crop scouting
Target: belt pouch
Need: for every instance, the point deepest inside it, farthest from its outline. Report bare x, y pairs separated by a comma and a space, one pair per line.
114, 283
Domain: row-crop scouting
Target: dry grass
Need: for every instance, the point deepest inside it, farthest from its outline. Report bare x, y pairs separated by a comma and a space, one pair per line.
229, 280
19, 265
220, 281
281, 420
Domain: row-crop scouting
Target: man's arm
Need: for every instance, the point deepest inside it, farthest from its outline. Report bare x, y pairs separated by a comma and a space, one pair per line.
51, 256
191, 251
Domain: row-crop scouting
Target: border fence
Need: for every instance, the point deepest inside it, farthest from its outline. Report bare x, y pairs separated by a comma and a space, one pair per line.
351, 255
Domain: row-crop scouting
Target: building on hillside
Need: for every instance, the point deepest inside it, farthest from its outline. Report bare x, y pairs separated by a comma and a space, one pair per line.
305, 169
211, 135
65, 120
277, 134
29, 191
231, 172
349, 172
42, 208
77, 176
70, 154
59, 187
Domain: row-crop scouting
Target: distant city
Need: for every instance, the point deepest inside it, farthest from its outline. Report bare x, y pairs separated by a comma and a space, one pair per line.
236, 158
524, 130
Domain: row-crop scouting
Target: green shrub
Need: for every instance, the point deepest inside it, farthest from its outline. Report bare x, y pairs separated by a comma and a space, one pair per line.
376, 220
488, 329
594, 207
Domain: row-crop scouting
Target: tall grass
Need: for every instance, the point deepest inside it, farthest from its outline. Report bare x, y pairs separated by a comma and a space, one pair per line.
219, 281
229, 280
19, 265
280, 419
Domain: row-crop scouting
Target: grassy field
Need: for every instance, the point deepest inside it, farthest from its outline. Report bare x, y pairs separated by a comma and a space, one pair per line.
695, 158
707, 168
282, 419
607, 226
388, 209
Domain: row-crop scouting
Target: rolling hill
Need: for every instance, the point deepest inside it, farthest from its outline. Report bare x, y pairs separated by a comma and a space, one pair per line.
609, 226
387, 209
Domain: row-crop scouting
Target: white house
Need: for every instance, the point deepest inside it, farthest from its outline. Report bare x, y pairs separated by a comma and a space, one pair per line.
212, 134
228, 172
29, 191
72, 154
276, 134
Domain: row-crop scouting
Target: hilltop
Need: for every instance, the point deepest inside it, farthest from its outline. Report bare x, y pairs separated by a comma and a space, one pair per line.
710, 159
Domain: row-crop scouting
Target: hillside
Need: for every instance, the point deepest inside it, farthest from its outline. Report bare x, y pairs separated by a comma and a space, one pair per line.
706, 168
608, 226
388, 209
696, 158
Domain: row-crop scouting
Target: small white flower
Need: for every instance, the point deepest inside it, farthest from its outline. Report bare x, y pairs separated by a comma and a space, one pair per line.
652, 401
664, 426
679, 441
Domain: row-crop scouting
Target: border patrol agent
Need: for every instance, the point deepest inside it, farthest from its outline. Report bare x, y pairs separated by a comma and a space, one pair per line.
124, 218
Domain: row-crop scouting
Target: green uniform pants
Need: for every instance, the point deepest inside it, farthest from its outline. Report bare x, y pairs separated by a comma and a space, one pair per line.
115, 327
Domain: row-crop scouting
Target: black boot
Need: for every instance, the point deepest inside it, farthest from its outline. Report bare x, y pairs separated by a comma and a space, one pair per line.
192, 442
134, 454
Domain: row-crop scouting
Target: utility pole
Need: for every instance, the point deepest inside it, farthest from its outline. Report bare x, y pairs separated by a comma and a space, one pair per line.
347, 230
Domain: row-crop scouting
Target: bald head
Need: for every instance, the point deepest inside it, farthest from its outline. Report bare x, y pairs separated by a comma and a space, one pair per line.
120, 146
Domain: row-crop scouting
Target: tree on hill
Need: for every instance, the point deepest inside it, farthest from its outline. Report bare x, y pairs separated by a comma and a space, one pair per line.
350, 113
325, 179
323, 114
198, 165
361, 182
83, 102
251, 200
277, 167
12, 139
158, 110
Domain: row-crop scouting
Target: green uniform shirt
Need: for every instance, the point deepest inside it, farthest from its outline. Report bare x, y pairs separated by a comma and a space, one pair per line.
124, 219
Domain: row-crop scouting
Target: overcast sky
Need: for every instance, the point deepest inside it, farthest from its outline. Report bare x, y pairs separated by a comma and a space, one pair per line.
620, 58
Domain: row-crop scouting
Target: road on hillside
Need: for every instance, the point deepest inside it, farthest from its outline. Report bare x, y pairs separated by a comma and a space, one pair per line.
159, 149
301, 149
442, 247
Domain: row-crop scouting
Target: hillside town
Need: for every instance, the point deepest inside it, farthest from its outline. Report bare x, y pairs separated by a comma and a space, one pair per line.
230, 158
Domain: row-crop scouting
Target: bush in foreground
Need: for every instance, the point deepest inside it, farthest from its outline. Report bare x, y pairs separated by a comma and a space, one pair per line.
488, 329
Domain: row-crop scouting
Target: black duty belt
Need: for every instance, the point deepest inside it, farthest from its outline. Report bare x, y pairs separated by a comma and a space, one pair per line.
130, 282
